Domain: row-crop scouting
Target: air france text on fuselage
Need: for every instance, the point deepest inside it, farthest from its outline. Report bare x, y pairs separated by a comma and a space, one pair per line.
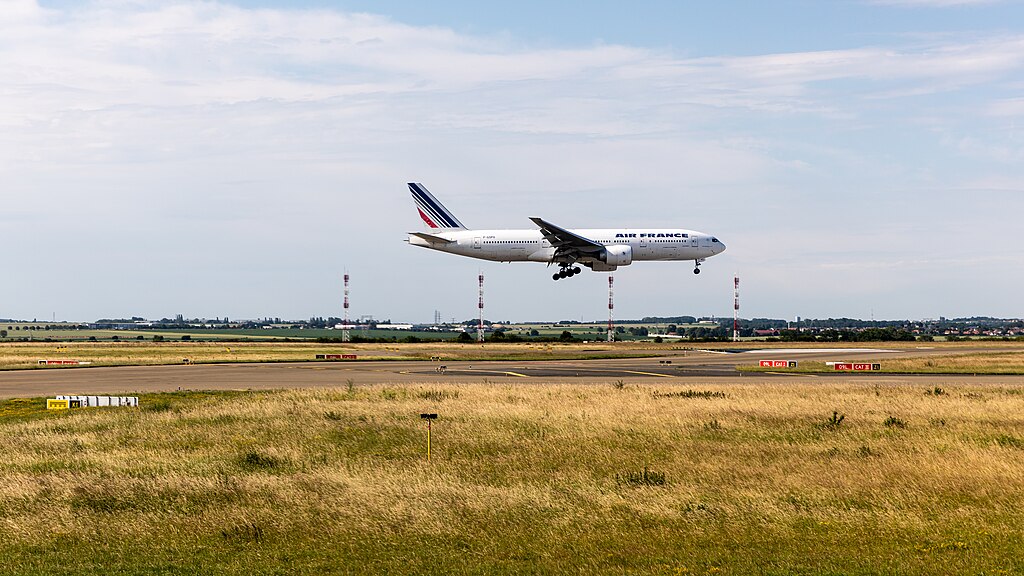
654, 235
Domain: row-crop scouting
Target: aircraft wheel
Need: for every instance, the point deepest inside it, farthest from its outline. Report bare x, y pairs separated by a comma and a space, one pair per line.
577, 270
555, 276
696, 270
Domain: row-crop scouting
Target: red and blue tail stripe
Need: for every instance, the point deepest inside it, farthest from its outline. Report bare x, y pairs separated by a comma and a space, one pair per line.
431, 211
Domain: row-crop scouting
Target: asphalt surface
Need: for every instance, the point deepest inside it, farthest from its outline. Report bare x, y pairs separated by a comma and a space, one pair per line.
711, 366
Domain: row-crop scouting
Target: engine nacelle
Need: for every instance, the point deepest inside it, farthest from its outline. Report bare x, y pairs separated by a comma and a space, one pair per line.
617, 255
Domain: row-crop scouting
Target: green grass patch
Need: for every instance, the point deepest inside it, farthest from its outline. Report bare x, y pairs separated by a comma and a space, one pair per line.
23, 409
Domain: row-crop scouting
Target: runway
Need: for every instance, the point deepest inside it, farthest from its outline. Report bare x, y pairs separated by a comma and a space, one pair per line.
682, 366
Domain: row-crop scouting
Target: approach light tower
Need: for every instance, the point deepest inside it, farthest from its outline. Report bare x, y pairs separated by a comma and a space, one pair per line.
344, 326
611, 307
480, 306
736, 308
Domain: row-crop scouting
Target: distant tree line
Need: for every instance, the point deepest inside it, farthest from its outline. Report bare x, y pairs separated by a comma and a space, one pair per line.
866, 335
669, 319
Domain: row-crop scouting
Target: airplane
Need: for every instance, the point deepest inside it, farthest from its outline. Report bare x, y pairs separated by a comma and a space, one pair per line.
601, 250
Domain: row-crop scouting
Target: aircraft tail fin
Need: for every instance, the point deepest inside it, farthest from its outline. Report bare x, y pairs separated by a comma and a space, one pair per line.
433, 213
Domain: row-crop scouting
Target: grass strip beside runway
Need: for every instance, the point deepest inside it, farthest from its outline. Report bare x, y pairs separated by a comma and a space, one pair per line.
1004, 362
20, 356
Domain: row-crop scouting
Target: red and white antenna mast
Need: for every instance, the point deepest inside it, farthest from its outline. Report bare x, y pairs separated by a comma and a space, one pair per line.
611, 307
344, 326
736, 308
480, 306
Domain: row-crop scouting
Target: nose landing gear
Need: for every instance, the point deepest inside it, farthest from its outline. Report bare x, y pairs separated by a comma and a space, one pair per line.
567, 271
696, 266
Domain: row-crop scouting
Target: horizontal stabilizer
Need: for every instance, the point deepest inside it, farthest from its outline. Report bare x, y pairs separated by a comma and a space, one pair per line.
431, 238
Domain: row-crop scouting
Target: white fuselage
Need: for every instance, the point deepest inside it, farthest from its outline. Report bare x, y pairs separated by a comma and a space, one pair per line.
530, 245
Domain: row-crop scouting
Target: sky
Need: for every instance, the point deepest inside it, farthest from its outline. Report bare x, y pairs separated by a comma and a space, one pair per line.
859, 158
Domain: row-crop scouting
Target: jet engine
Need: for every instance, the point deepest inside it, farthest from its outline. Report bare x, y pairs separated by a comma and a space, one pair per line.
617, 255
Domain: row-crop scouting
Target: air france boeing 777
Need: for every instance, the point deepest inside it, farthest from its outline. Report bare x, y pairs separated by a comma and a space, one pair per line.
601, 250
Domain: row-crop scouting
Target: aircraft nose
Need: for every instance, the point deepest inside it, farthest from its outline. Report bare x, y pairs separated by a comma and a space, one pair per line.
717, 245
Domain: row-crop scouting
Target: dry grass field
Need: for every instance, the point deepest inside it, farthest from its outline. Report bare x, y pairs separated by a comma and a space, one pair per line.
1004, 362
770, 477
27, 355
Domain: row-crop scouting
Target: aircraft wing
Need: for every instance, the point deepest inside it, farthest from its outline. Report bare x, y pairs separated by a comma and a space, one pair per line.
566, 242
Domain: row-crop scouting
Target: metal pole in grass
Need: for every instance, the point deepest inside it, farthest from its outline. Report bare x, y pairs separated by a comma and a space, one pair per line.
428, 418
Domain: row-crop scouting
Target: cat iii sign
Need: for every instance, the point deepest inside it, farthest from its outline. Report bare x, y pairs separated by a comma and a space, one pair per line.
856, 367
778, 364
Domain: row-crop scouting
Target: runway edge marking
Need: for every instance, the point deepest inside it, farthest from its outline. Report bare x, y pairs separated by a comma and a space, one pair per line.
649, 373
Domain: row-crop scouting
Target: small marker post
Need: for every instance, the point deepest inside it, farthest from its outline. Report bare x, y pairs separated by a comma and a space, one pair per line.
428, 418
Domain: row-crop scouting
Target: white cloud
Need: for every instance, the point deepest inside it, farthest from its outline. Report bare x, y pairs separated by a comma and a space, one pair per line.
1007, 107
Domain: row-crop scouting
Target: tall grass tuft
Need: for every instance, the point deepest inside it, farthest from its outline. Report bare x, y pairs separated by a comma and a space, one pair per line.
645, 477
894, 422
706, 394
438, 395
249, 532
253, 460
1009, 441
835, 421
161, 405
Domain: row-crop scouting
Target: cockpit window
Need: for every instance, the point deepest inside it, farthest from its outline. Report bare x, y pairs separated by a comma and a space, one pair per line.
713, 239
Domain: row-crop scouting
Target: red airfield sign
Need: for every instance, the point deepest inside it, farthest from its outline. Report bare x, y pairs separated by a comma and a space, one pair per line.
778, 364
857, 367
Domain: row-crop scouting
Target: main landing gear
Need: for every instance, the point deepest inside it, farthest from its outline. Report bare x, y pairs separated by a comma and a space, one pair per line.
566, 272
